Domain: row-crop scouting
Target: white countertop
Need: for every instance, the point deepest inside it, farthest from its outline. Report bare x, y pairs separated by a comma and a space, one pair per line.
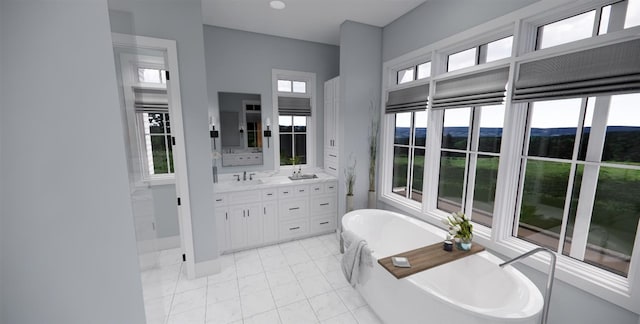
267, 182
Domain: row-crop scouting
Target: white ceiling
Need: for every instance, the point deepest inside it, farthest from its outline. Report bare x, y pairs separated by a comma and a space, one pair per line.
312, 20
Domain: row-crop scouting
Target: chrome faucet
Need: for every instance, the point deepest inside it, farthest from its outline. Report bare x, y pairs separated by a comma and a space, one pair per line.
550, 276
244, 176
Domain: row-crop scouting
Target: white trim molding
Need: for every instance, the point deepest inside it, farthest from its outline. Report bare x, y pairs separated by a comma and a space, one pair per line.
207, 268
169, 48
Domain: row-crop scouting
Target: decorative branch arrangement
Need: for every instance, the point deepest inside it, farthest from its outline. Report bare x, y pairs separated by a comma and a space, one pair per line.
373, 143
350, 176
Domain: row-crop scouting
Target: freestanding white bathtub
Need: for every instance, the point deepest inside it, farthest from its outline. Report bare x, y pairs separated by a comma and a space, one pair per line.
472, 289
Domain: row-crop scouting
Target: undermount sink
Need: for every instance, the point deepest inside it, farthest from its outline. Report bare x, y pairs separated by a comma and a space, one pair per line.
274, 180
303, 176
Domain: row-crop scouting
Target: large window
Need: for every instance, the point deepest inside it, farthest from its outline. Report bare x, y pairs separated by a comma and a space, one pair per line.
469, 157
157, 142
146, 101
293, 140
294, 94
616, 16
551, 160
409, 144
582, 179
484, 53
416, 72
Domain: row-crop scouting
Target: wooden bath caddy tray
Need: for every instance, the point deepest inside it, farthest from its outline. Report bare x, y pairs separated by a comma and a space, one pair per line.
426, 258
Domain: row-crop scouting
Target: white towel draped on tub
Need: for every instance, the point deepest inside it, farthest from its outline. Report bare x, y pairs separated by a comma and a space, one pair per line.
356, 254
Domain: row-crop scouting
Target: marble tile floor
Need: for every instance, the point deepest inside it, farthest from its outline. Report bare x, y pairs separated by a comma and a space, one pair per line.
296, 282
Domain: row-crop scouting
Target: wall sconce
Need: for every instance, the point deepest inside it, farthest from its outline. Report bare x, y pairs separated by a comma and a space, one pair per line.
241, 129
267, 132
213, 132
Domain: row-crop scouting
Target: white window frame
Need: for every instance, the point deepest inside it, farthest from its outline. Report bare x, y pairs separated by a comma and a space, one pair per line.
522, 24
310, 79
137, 144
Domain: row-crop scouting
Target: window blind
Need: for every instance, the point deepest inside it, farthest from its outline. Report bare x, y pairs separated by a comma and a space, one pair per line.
294, 106
478, 89
407, 99
602, 70
151, 100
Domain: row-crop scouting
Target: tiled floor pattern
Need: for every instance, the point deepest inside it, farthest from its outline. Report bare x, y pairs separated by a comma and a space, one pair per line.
297, 282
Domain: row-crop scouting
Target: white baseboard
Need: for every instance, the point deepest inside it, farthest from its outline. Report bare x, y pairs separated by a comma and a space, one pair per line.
207, 268
166, 243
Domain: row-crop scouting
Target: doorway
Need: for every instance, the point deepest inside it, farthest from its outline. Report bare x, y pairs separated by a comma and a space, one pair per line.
148, 79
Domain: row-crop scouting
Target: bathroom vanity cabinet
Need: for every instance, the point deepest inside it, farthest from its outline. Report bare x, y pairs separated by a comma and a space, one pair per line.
268, 214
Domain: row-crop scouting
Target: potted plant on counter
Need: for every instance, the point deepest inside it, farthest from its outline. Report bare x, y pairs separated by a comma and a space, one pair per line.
461, 229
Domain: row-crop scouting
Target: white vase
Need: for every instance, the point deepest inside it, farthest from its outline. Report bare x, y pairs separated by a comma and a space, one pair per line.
372, 202
349, 203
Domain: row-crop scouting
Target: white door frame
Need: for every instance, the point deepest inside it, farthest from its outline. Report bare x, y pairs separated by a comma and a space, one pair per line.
177, 131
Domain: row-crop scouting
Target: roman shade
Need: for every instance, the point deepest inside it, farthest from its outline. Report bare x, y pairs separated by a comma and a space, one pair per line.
151, 100
603, 70
407, 99
294, 106
478, 89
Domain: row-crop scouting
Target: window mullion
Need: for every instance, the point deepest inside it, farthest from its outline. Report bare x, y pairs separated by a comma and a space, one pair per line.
410, 157
521, 157
587, 196
596, 21
572, 176
472, 159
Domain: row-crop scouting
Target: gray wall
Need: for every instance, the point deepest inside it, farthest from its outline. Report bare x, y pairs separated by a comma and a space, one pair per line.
165, 210
239, 61
181, 20
1, 179
360, 77
438, 19
67, 236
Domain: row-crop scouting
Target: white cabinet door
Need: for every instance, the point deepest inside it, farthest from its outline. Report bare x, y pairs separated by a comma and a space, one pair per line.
222, 228
329, 126
254, 224
270, 221
237, 227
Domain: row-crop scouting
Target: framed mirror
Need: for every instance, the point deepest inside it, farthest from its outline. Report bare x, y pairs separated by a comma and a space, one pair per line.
240, 128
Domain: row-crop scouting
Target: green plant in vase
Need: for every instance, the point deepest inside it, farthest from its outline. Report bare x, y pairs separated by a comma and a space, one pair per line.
461, 229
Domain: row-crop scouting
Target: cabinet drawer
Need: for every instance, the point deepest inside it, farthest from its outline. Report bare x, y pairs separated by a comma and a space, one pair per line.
220, 199
294, 229
323, 205
286, 192
244, 197
270, 194
331, 187
331, 167
301, 190
324, 224
317, 188
294, 208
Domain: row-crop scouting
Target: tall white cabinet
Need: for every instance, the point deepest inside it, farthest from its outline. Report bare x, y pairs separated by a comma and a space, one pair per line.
331, 115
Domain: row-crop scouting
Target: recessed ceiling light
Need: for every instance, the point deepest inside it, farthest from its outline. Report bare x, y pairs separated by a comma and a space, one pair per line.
277, 4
